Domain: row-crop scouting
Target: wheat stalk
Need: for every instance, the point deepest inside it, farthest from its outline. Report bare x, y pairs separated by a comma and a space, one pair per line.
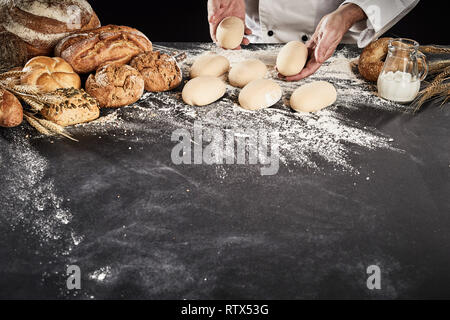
56, 129
35, 124
437, 66
436, 91
47, 127
11, 74
434, 49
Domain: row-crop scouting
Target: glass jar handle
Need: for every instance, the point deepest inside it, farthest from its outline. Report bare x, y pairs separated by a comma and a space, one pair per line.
423, 58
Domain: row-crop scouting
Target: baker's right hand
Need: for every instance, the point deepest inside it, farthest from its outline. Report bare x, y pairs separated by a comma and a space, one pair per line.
221, 9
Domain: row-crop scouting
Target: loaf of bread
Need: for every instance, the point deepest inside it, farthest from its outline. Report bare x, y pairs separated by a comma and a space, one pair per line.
86, 52
50, 74
160, 71
71, 106
13, 51
115, 86
41, 24
11, 112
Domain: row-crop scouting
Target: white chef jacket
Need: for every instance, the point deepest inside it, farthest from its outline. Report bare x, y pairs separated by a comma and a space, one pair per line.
281, 21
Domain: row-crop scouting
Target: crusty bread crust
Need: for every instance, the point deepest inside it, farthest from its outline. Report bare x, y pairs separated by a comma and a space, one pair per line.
50, 74
160, 71
371, 60
73, 107
115, 86
88, 51
11, 112
42, 24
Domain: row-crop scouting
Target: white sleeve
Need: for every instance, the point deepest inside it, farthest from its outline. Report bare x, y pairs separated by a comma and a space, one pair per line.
382, 15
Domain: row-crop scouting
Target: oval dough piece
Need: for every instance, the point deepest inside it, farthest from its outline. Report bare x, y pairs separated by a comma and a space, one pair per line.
246, 71
260, 94
313, 96
210, 65
292, 58
202, 91
230, 33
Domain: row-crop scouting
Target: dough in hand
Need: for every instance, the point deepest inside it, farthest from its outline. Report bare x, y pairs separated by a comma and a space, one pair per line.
313, 97
212, 65
202, 91
260, 94
230, 33
246, 71
292, 58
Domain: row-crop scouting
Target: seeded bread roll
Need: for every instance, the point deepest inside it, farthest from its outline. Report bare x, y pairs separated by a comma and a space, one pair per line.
71, 106
41, 24
50, 74
13, 51
86, 52
160, 71
11, 112
115, 86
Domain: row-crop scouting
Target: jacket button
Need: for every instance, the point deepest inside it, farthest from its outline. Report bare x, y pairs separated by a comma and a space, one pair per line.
270, 33
305, 38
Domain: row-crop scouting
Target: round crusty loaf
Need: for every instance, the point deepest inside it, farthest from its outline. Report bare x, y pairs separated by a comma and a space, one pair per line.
111, 44
13, 51
371, 60
160, 71
115, 86
11, 112
50, 74
41, 24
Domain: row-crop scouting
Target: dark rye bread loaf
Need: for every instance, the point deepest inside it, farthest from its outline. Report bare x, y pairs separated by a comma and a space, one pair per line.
13, 52
41, 24
88, 51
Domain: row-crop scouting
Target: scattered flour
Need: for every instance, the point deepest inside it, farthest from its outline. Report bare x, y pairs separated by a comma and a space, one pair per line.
101, 274
306, 140
35, 205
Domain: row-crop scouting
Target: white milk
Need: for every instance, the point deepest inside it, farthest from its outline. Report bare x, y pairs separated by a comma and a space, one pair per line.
398, 86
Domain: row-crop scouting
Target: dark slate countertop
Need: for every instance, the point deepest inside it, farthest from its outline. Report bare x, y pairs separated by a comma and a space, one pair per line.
139, 226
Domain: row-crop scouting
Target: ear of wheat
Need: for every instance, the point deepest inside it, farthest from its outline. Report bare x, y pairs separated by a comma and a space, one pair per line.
47, 127
434, 91
36, 101
434, 49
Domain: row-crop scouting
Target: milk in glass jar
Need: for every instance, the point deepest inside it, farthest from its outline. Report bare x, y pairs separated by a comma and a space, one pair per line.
404, 69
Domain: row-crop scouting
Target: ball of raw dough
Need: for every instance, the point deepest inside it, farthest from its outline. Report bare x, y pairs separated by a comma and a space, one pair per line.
230, 33
210, 65
246, 71
260, 94
313, 97
202, 91
292, 58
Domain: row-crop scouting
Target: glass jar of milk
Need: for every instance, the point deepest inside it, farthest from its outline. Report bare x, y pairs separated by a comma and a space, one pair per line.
404, 69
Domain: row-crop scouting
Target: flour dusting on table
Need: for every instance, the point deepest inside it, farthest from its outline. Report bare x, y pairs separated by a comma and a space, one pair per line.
306, 140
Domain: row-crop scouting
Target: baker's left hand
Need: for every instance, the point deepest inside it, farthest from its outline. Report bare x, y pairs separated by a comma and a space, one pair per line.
327, 37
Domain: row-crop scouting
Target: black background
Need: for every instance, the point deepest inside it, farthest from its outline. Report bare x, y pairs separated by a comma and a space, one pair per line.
186, 21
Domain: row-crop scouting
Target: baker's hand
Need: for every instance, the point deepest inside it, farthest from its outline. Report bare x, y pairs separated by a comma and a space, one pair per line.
327, 37
221, 9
